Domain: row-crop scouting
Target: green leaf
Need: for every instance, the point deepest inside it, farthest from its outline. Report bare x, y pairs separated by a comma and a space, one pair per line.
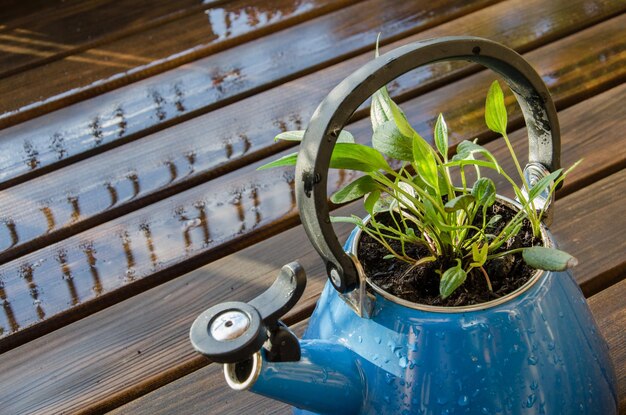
355, 220
383, 109
353, 156
384, 204
542, 184
354, 190
484, 191
380, 109
390, 256
371, 200
458, 203
288, 160
451, 279
479, 254
441, 136
401, 193
390, 141
296, 135
548, 259
495, 111
425, 162
494, 219
401, 121
466, 150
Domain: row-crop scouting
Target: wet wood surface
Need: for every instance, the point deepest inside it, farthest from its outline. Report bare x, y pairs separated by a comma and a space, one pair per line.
208, 147
163, 45
128, 113
171, 236
118, 227
36, 39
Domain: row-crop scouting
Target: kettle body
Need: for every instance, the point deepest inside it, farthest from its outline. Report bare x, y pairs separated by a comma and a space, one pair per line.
539, 352
536, 350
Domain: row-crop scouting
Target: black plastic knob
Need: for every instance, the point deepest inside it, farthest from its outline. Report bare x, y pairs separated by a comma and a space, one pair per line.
228, 332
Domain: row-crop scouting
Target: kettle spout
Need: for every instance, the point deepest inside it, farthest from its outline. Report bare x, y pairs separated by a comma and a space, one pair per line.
326, 379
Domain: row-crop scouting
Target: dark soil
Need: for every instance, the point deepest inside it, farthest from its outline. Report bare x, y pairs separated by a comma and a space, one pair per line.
421, 284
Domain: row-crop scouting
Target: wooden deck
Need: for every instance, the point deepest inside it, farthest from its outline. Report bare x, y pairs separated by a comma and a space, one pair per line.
130, 132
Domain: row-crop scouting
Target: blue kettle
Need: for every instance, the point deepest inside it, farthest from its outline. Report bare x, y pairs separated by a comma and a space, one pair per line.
534, 351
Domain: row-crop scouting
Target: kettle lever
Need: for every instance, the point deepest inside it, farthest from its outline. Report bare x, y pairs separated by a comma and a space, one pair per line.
233, 331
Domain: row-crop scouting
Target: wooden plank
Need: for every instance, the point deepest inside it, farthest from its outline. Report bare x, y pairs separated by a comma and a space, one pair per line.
609, 309
141, 344
45, 36
145, 53
81, 274
53, 207
130, 112
207, 389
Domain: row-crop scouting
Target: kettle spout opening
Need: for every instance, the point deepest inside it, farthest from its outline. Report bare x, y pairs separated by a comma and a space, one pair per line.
326, 379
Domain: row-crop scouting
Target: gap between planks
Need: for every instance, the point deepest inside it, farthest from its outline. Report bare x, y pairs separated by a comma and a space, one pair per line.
168, 310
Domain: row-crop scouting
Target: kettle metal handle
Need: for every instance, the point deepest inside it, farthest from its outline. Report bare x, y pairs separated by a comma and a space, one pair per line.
337, 108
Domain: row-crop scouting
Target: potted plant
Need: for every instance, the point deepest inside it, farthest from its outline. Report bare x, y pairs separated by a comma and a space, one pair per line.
447, 298
425, 230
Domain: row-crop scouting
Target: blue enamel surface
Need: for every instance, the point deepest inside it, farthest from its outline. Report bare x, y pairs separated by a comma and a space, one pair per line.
321, 379
539, 353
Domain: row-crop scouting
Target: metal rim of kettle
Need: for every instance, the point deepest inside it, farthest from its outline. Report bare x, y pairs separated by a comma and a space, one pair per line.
545, 236
339, 105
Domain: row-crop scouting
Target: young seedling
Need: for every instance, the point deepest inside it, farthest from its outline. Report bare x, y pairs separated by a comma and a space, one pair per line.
450, 220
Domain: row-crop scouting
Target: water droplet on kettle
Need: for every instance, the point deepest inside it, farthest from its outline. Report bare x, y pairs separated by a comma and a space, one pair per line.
377, 339
463, 400
360, 339
531, 400
532, 360
403, 362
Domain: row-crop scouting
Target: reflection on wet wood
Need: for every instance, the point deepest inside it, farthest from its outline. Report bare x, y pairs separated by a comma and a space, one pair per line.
160, 167
151, 348
181, 241
132, 111
121, 61
67, 28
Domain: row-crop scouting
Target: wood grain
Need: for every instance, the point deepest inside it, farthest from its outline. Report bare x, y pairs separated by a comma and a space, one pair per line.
127, 113
52, 33
53, 207
141, 344
609, 309
190, 38
109, 262
206, 388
